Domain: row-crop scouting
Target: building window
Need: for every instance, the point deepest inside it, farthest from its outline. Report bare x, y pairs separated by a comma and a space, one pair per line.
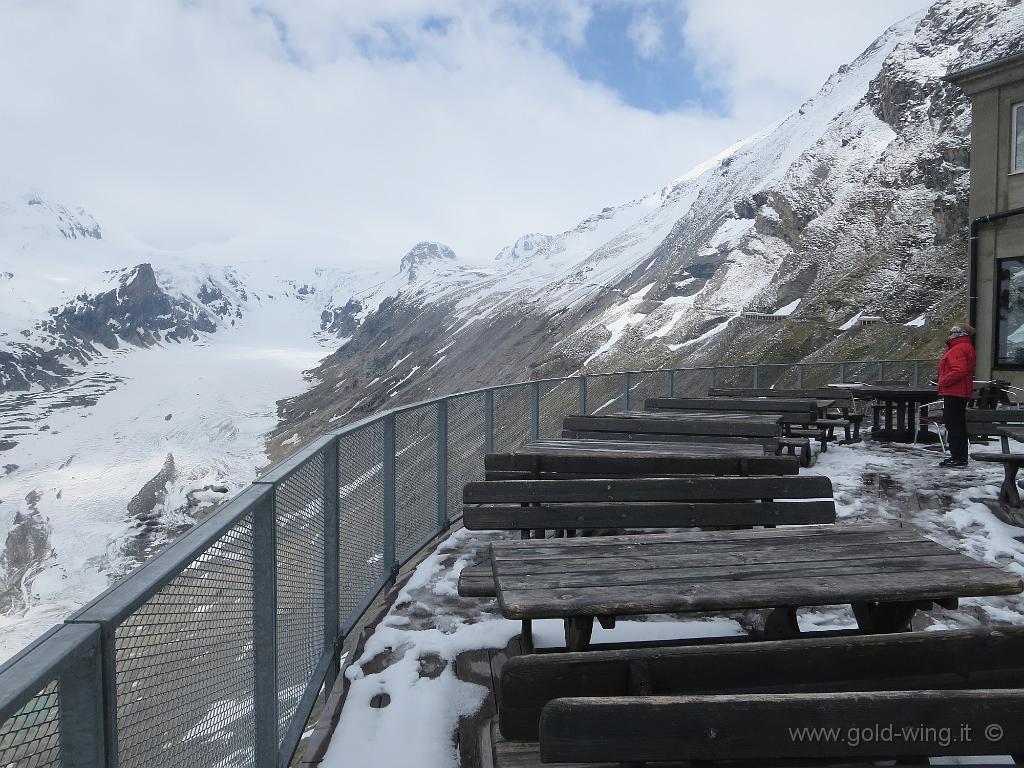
1010, 314
1017, 137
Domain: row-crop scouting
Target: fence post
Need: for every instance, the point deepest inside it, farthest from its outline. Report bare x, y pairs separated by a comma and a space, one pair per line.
264, 629
489, 421
535, 408
799, 376
629, 378
332, 576
667, 378
757, 377
672, 383
714, 377
390, 562
842, 373
442, 465
583, 394
80, 706
917, 373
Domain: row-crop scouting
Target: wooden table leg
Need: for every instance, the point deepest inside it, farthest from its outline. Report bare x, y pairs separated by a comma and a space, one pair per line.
578, 630
883, 618
526, 638
782, 623
1009, 494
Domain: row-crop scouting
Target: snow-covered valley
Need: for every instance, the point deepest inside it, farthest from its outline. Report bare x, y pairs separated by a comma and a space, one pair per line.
139, 387
131, 451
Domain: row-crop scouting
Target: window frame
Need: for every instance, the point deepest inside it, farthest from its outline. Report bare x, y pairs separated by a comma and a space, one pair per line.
1016, 113
997, 335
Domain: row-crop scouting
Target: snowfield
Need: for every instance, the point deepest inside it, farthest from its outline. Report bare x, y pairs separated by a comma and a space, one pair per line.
207, 404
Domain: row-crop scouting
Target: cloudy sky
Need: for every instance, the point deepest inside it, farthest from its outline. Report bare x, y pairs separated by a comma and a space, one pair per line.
341, 131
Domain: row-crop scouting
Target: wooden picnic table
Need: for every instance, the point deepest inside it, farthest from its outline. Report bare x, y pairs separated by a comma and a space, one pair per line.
905, 402
636, 449
886, 573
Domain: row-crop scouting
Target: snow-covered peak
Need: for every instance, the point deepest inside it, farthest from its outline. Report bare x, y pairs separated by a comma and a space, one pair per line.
524, 247
424, 253
32, 217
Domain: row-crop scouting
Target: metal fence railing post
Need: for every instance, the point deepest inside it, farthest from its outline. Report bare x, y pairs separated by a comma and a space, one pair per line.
799, 376
332, 573
757, 377
672, 382
80, 702
264, 628
535, 409
714, 377
390, 561
917, 373
489, 421
842, 373
629, 381
583, 395
442, 465
881, 370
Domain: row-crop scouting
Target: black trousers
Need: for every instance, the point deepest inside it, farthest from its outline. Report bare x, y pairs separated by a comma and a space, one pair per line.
954, 416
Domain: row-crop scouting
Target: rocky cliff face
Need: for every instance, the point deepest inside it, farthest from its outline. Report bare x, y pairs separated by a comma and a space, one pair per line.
856, 204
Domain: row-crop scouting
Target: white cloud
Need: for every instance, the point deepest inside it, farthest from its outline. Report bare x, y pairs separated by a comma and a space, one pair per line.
346, 130
645, 32
764, 54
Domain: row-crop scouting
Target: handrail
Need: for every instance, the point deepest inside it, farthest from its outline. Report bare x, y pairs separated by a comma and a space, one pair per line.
215, 650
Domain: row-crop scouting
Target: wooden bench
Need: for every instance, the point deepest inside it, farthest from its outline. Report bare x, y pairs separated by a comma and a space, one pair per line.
801, 418
989, 422
752, 429
974, 658
744, 727
1012, 462
842, 413
564, 465
574, 505
662, 502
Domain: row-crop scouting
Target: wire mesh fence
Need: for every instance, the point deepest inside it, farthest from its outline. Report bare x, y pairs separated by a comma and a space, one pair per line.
184, 663
212, 654
558, 399
512, 417
467, 440
606, 393
415, 479
360, 517
31, 736
646, 385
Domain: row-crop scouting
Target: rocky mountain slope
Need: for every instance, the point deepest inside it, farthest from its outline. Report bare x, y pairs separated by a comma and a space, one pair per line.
854, 205
137, 388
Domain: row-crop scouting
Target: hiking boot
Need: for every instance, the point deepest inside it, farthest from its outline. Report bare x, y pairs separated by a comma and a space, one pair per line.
951, 462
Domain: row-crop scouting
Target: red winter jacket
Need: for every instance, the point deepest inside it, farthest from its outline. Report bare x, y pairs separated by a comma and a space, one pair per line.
956, 368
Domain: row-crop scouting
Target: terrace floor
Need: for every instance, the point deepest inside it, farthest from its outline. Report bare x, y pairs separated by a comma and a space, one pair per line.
420, 691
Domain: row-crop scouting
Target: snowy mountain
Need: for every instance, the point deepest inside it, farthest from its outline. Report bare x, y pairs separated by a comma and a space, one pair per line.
136, 391
137, 387
855, 204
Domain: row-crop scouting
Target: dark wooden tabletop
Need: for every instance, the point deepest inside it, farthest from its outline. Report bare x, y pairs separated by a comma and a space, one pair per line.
737, 416
880, 392
733, 570
630, 448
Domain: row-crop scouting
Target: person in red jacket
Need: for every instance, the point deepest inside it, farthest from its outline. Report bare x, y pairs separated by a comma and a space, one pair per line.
956, 387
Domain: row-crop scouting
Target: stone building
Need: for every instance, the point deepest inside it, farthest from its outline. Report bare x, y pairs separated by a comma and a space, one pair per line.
996, 269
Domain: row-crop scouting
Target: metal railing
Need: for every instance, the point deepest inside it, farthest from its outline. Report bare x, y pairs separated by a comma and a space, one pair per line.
213, 653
